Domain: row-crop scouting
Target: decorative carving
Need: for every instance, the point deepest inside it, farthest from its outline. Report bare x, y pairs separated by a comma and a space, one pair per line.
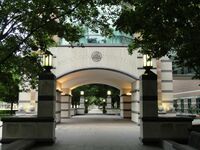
96, 56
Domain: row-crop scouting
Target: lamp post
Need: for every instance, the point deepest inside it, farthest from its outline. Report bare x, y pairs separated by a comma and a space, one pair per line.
109, 92
81, 109
109, 102
47, 88
104, 106
148, 103
82, 93
86, 106
147, 63
47, 94
47, 61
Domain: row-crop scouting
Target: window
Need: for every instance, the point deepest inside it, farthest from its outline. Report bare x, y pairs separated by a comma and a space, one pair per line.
182, 105
189, 106
198, 105
175, 105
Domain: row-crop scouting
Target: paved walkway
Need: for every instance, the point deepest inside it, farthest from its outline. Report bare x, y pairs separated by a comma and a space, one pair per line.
97, 132
95, 111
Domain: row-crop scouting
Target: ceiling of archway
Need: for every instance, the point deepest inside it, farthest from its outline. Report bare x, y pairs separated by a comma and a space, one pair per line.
116, 79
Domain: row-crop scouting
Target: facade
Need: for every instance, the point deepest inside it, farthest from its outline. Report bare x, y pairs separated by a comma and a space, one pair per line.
186, 94
108, 62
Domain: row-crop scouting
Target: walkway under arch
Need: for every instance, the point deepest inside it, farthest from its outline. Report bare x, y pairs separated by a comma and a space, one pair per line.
97, 132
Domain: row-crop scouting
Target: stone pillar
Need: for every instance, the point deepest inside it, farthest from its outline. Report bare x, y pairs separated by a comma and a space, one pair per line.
159, 84
47, 95
27, 102
166, 83
148, 103
46, 103
125, 104
108, 102
58, 106
65, 107
148, 95
135, 103
81, 109
109, 105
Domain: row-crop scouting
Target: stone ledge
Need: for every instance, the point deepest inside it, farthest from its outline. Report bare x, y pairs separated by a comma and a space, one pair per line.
167, 119
27, 119
18, 145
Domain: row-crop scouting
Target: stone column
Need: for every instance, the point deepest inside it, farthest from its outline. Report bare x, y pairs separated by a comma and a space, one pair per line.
109, 102
27, 102
135, 103
166, 83
46, 105
47, 95
81, 109
148, 103
65, 107
125, 104
58, 106
109, 105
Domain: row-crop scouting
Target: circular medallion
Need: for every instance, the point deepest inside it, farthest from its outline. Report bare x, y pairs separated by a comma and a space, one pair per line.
96, 56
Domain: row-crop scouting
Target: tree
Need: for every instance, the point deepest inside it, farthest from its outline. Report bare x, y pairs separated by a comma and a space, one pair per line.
27, 26
164, 27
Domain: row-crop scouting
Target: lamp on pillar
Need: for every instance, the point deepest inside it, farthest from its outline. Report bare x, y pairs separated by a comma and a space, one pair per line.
109, 100
47, 61
109, 92
148, 103
81, 109
147, 64
82, 93
104, 106
47, 96
86, 106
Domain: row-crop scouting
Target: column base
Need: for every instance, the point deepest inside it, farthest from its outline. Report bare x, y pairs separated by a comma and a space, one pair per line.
42, 141
150, 141
80, 111
154, 129
37, 129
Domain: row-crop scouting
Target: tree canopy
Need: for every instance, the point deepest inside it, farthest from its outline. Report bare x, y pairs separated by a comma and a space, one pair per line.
27, 26
164, 27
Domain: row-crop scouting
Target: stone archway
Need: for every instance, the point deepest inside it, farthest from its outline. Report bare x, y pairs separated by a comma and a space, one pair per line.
106, 61
123, 81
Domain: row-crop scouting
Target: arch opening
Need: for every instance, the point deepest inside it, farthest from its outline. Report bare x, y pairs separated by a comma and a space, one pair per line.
97, 97
121, 81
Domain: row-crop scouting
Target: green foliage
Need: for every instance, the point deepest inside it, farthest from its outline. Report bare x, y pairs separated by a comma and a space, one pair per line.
27, 26
165, 27
5, 113
194, 109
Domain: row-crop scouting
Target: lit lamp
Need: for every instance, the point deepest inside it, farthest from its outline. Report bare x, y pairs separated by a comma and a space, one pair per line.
47, 61
109, 93
104, 106
128, 93
148, 64
82, 93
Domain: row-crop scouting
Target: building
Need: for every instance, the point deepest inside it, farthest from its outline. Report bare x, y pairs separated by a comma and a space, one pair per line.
96, 59
186, 91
